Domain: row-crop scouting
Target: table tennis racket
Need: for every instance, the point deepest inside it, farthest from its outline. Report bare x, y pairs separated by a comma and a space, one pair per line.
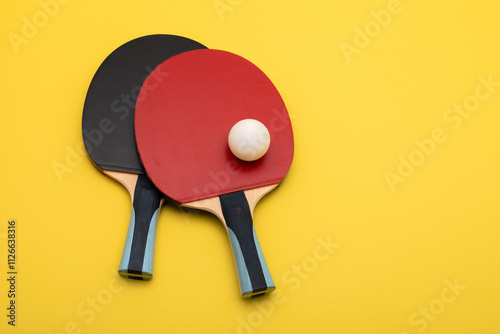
108, 134
182, 128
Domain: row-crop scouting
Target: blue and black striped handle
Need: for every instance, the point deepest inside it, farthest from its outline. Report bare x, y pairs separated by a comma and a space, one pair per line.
138, 253
253, 273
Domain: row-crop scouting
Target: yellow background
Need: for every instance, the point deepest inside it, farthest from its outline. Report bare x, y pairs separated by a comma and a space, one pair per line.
353, 117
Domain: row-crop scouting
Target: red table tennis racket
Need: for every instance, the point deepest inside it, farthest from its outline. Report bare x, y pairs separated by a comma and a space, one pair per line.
108, 134
182, 128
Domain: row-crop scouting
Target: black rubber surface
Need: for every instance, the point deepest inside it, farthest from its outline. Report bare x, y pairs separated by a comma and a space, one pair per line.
108, 112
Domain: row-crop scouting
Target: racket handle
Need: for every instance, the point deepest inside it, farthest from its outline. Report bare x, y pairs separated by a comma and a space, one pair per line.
138, 253
253, 273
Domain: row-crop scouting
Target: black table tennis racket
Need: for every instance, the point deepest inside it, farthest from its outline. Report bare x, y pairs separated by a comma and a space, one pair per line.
108, 134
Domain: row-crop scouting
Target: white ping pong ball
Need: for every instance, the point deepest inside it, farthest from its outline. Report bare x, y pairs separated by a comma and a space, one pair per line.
249, 139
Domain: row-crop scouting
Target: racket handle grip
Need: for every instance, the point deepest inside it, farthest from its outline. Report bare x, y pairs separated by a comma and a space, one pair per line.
253, 273
138, 253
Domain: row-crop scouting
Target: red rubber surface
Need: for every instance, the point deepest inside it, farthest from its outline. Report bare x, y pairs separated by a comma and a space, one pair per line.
184, 113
